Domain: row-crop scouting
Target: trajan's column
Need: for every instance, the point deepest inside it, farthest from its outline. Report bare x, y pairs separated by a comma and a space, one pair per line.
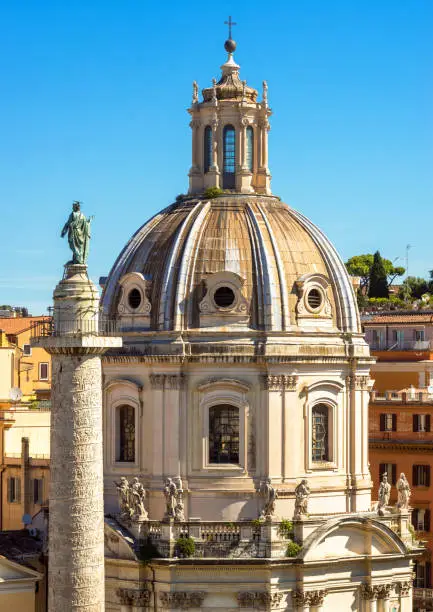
76, 511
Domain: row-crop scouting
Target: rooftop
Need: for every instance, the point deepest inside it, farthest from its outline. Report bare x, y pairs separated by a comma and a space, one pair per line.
19, 325
399, 316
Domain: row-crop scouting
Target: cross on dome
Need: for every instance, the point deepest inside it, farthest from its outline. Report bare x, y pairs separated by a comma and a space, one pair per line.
230, 45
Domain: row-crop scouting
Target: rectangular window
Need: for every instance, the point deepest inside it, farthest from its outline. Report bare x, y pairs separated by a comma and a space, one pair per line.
43, 371
14, 490
27, 349
421, 475
421, 519
38, 490
421, 422
422, 575
126, 433
390, 469
419, 335
320, 437
388, 422
224, 434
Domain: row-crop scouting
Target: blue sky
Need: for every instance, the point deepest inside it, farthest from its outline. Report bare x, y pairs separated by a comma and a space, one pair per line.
93, 107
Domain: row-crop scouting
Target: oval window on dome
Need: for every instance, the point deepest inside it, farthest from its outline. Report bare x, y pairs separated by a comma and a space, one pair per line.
224, 297
134, 298
314, 299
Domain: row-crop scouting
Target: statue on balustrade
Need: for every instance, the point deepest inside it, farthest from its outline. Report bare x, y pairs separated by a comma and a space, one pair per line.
384, 494
403, 492
131, 499
302, 493
270, 495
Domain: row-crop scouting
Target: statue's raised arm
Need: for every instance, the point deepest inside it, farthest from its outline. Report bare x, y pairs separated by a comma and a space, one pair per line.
78, 229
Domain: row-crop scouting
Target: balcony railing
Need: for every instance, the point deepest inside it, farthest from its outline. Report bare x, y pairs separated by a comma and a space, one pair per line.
403, 396
75, 327
424, 594
400, 345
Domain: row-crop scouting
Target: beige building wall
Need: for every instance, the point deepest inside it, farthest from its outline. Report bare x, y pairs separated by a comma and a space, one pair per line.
17, 587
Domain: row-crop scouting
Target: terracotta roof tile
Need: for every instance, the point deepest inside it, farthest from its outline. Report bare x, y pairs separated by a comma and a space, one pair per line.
391, 318
17, 325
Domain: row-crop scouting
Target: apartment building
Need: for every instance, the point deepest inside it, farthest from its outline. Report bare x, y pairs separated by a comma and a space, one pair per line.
401, 423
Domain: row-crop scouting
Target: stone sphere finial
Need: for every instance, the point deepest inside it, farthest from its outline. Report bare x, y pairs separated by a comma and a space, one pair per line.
230, 45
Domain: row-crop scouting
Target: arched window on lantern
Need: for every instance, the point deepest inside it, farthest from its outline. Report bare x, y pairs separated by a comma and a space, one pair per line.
207, 148
229, 157
224, 434
320, 433
250, 148
125, 438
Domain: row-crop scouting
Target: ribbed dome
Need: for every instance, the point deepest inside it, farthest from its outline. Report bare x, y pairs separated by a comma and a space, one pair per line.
260, 239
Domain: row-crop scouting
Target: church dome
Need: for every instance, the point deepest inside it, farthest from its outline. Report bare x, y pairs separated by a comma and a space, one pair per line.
234, 261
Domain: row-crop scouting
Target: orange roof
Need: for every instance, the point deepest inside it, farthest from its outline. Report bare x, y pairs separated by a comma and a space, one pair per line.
390, 318
17, 325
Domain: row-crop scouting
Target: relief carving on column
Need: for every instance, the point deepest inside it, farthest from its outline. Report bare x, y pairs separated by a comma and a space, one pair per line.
182, 599
358, 383
279, 382
405, 588
259, 599
133, 597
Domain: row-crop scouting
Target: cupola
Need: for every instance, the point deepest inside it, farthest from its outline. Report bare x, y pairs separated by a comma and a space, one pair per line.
230, 133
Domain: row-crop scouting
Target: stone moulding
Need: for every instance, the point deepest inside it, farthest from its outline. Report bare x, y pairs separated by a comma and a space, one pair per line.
259, 599
167, 381
182, 599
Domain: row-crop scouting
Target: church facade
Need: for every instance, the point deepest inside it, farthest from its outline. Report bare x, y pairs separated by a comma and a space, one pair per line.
239, 400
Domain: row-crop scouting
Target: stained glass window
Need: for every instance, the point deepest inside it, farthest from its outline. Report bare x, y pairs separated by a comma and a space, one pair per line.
207, 148
126, 449
223, 434
320, 443
229, 150
250, 148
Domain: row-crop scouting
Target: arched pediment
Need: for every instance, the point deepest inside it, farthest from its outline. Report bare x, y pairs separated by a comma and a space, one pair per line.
127, 383
119, 543
352, 537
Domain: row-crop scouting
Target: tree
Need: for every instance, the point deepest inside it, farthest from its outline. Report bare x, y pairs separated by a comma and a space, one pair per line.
378, 285
360, 265
414, 287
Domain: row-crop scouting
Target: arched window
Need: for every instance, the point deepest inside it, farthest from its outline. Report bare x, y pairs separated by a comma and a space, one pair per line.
320, 433
229, 157
250, 148
224, 434
125, 434
207, 148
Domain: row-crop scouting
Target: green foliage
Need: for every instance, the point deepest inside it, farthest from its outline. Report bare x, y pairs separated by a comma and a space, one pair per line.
185, 547
285, 528
293, 549
413, 287
212, 192
148, 551
361, 265
378, 285
257, 522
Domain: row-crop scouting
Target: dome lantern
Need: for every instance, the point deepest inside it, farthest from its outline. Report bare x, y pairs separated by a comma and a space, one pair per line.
230, 133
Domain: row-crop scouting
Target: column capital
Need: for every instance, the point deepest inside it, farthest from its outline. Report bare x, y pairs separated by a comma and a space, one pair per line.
133, 597
279, 382
259, 599
182, 599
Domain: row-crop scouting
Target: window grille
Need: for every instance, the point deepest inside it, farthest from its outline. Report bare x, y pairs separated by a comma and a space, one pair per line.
250, 148
224, 434
229, 157
320, 436
207, 148
126, 434
27, 349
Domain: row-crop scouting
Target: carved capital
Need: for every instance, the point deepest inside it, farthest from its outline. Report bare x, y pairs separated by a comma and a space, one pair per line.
133, 597
405, 588
157, 381
194, 124
317, 597
259, 599
175, 381
182, 599
280, 382
300, 598
367, 592
382, 590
